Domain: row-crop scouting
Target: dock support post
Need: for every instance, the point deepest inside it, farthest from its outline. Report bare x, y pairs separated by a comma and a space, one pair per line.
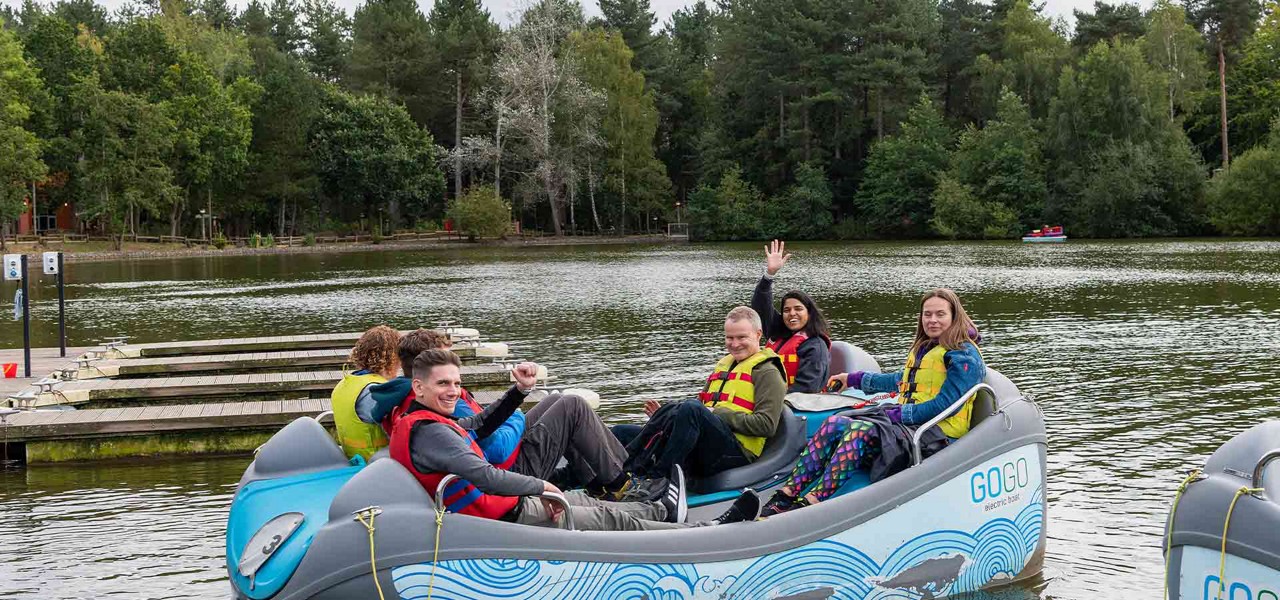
26, 322
62, 311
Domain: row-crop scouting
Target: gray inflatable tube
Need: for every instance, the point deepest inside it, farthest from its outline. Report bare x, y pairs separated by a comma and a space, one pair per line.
1241, 478
970, 517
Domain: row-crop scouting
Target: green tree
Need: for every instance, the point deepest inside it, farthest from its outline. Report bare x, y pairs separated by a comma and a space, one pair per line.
732, 210
684, 94
1255, 82
627, 127
1108, 22
481, 213
803, 212
959, 214
634, 20
1031, 54
1176, 49
285, 31
392, 55
371, 156
1002, 162
465, 39
1226, 24
83, 12
281, 173
217, 14
327, 31
127, 143
254, 20
20, 162
959, 43
902, 172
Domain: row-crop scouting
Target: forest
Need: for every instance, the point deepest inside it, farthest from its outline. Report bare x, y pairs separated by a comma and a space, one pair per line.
746, 119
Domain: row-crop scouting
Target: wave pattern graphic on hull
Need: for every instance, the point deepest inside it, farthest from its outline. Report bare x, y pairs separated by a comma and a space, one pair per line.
998, 550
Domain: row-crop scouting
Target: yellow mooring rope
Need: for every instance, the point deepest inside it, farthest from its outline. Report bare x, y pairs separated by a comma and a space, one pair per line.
373, 558
1222, 566
1168, 534
435, 557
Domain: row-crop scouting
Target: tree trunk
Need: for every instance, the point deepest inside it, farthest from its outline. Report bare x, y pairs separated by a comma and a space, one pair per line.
591, 191
622, 121
35, 223
457, 138
549, 185
782, 120
497, 159
573, 219
1222, 98
804, 108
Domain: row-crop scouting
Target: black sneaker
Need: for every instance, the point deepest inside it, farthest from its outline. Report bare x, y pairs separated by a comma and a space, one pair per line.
675, 499
777, 504
745, 508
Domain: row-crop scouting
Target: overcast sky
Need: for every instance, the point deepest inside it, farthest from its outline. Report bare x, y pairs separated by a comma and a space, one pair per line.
502, 10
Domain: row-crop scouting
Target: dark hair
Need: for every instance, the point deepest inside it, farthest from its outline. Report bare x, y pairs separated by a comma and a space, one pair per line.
817, 325
430, 359
415, 343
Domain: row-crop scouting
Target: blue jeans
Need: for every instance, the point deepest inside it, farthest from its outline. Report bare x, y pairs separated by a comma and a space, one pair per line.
690, 436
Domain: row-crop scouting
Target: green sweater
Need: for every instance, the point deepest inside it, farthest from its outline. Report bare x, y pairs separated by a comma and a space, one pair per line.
770, 393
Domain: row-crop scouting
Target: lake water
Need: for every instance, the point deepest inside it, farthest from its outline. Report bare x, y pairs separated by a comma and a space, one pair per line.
1145, 356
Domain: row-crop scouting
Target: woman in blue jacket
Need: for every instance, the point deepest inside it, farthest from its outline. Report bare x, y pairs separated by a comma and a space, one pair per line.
943, 364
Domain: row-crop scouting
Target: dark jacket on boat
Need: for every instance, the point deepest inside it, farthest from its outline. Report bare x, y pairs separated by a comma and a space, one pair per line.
814, 353
895, 442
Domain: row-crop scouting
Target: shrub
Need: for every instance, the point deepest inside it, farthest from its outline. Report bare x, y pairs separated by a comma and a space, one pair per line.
376, 237
269, 241
1243, 198
957, 213
309, 239
480, 212
219, 241
255, 240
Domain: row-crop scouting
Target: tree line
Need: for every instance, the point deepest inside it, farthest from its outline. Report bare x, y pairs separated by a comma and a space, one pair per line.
749, 118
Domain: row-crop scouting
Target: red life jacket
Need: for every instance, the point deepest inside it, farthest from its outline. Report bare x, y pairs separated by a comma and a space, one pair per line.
510, 460
788, 352
460, 496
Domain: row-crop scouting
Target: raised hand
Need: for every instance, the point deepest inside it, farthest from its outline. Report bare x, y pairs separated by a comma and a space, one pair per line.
775, 256
526, 374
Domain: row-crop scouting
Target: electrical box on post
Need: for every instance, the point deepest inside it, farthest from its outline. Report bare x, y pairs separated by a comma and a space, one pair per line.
12, 267
50, 263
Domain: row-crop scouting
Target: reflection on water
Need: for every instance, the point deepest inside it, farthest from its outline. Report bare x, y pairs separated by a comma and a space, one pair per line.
1146, 357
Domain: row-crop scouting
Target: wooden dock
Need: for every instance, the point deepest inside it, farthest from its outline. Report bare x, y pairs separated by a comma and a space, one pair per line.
226, 363
45, 436
209, 387
280, 343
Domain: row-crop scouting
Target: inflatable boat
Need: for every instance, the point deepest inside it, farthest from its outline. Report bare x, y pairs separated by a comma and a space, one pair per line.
1222, 539
307, 523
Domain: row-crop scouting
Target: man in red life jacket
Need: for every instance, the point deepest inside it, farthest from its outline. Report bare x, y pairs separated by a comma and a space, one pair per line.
429, 442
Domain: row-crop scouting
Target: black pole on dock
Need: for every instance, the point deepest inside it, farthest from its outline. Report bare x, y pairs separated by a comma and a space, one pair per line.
26, 322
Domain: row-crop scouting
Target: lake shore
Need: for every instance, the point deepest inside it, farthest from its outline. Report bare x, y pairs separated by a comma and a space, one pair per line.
90, 252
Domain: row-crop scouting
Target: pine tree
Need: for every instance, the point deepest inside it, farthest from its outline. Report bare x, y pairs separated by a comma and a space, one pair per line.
327, 32
1108, 22
465, 39
902, 172
392, 54
1226, 24
285, 31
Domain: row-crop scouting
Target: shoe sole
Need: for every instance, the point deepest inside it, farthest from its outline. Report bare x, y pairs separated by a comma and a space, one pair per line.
677, 495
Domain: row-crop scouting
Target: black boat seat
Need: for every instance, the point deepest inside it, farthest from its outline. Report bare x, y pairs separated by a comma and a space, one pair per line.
779, 456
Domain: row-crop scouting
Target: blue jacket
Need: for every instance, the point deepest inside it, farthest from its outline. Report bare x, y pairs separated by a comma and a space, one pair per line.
965, 369
380, 399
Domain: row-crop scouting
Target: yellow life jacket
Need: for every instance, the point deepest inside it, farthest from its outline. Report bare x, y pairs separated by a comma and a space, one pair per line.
356, 436
730, 385
921, 382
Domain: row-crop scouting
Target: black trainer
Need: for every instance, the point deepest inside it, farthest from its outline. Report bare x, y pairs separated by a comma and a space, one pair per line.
675, 500
745, 508
777, 504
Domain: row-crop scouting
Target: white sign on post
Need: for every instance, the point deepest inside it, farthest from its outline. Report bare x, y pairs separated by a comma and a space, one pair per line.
12, 267
50, 263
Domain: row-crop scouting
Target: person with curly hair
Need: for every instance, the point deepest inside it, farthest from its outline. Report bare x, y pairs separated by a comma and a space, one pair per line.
374, 360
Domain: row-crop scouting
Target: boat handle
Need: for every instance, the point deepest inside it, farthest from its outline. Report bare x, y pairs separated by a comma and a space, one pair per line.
557, 498
951, 410
1262, 466
321, 416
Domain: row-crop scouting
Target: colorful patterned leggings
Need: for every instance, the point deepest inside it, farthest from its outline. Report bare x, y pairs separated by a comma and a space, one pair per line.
841, 446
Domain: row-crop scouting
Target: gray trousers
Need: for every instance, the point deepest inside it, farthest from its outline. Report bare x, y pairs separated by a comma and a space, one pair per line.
565, 426
590, 514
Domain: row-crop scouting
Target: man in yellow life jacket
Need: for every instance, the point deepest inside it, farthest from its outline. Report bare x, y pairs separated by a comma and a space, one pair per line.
375, 361
726, 426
